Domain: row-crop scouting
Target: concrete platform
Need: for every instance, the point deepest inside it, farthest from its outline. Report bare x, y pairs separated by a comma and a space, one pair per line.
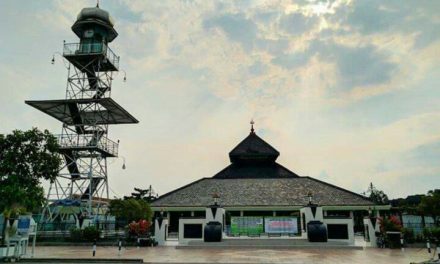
275, 243
80, 260
239, 255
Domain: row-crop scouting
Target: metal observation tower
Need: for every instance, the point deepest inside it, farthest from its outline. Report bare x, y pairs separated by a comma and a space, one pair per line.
86, 113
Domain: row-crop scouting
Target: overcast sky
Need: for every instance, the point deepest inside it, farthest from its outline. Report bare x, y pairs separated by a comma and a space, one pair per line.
347, 91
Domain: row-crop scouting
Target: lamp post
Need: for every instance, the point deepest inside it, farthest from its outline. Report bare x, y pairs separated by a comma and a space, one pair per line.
123, 159
65, 62
123, 164
125, 75
310, 196
216, 197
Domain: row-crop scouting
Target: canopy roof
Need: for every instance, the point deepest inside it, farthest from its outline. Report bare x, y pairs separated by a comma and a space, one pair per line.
87, 111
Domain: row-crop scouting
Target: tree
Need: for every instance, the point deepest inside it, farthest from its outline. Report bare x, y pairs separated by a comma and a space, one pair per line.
375, 195
144, 194
430, 205
130, 209
409, 205
26, 157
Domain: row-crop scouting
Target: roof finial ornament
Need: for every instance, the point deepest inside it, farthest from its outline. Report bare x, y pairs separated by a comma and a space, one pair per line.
252, 126
97, 3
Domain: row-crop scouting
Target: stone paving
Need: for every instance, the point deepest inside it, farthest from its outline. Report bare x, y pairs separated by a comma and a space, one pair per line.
173, 255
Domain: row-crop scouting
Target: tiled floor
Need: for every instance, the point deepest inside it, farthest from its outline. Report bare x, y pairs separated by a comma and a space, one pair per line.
172, 255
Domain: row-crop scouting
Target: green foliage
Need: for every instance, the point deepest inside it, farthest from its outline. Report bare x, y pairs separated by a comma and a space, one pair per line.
408, 235
26, 157
433, 234
75, 234
144, 194
130, 209
89, 234
391, 223
430, 205
376, 196
410, 204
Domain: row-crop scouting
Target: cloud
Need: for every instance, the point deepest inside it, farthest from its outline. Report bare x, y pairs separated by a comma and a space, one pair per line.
292, 60
237, 27
420, 17
297, 23
358, 66
346, 90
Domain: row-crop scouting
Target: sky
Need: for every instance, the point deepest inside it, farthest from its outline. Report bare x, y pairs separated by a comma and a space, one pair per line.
347, 91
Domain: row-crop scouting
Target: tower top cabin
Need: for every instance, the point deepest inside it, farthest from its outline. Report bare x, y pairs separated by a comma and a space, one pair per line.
94, 25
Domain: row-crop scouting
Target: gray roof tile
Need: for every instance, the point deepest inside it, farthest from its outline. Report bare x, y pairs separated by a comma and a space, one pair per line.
259, 192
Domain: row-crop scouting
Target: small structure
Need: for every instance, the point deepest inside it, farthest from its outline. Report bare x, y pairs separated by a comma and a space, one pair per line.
261, 198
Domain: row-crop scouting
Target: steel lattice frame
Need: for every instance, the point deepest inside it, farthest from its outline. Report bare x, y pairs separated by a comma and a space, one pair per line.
83, 145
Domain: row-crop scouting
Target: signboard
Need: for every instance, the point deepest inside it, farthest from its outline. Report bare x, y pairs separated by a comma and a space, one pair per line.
247, 225
24, 223
283, 225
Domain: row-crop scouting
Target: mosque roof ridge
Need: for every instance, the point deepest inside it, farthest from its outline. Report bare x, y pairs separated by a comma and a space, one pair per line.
253, 148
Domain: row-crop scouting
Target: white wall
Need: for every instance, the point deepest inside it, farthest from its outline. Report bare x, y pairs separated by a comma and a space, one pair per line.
183, 221
342, 221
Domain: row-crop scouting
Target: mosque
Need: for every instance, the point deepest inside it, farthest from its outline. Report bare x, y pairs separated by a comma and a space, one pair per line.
254, 190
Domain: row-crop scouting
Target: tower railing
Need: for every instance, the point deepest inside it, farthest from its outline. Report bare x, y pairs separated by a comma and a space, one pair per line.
72, 49
88, 141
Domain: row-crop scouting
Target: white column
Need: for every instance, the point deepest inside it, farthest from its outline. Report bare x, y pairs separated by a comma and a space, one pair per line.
307, 211
368, 224
218, 217
160, 231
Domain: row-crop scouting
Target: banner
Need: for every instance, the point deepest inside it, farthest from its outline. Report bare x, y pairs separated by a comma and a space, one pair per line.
246, 225
281, 225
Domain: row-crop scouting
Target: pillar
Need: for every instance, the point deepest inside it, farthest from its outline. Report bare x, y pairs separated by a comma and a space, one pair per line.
311, 213
371, 226
160, 230
215, 213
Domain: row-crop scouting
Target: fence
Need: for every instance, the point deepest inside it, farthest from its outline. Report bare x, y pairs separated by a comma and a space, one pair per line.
415, 222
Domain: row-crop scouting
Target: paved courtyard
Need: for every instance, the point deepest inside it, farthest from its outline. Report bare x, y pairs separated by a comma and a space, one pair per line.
212, 255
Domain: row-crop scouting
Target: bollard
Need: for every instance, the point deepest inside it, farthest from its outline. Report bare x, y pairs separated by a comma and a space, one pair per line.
119, 247
438, 252
428, 246
402, 244
138, 242
94, 247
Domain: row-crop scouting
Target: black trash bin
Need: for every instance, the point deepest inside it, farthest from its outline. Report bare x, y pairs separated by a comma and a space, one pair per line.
316, 231
213, 232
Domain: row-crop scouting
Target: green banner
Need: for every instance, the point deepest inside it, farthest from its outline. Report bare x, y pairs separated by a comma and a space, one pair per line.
247, 225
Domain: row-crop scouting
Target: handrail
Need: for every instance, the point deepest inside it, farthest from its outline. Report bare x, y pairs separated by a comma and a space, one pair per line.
91, 48
88, 141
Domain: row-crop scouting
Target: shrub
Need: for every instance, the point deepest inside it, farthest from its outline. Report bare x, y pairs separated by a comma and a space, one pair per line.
408, 235
432, 234
391, 223
75, 234
140, 228
90, 233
